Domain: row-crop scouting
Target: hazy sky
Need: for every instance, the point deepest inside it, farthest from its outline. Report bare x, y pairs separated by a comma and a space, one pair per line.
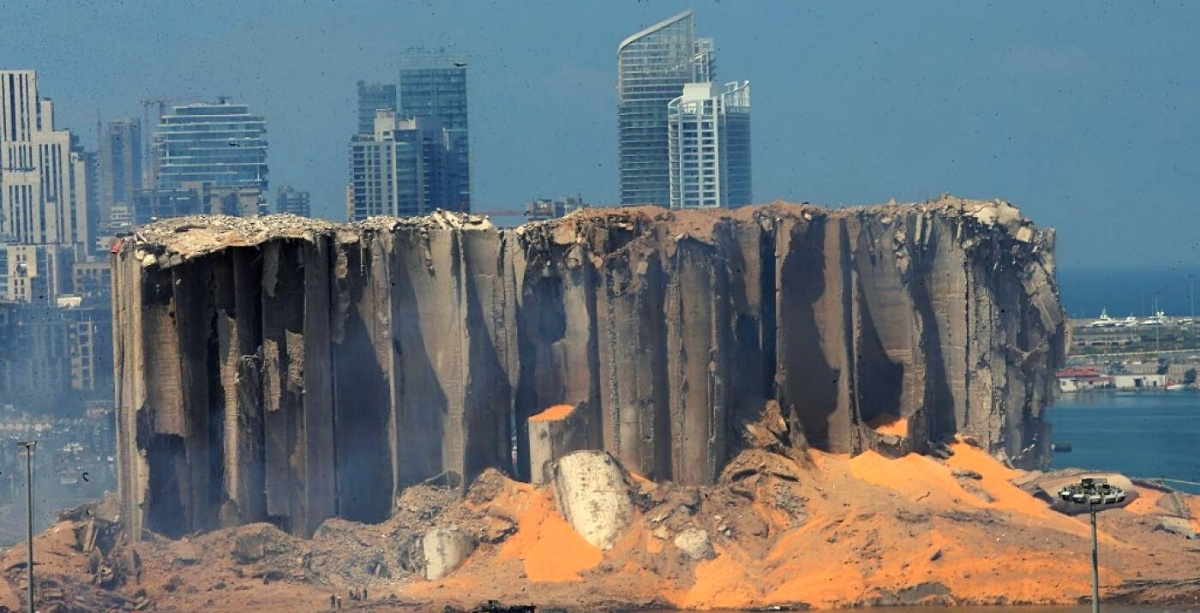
1085, 115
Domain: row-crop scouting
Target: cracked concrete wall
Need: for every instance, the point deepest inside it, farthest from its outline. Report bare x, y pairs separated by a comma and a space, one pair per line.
288, 370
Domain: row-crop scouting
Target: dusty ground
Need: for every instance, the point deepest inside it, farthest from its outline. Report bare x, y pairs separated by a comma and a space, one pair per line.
821, 531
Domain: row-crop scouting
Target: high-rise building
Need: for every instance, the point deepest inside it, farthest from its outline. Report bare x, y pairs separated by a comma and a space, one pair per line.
43, 171
219, 146
373, 97
38, 274
50, 350
156, 203
709, 143
402, 169
652, 66
89, 342
120, 165
294, 201
91, 162
434, 84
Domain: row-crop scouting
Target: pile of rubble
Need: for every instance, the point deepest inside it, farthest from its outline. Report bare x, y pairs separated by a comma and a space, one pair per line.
791, 529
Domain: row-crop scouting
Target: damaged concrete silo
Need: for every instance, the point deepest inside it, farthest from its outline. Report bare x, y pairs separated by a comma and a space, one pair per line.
289, 370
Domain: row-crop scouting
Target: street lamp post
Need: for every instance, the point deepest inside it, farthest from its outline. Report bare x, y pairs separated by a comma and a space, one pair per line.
1192, 299
29, 445
1094, 493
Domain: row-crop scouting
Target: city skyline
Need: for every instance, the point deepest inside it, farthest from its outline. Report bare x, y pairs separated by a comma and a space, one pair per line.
1068, 115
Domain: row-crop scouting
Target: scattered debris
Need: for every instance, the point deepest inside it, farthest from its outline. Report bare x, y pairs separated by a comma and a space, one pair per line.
694, 542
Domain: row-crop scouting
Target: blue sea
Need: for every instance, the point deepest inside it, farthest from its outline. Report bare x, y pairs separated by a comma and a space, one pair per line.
1127, 291
1140, 434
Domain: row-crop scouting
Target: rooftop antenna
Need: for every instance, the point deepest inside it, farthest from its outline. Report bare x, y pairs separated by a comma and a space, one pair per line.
1192, 299
29, 445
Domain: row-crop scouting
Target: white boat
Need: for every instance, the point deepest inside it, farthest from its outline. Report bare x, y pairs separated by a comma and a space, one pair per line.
1159, 319
1104, 321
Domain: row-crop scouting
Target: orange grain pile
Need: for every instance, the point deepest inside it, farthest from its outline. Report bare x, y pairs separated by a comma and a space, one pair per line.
913, 476
1146, 502
548, 545
554, 413
1007, 496
855, 530
721, 583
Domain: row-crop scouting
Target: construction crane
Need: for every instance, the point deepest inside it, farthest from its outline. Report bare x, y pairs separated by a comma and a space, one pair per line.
500, 212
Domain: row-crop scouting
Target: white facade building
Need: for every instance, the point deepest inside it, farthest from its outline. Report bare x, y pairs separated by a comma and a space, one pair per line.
403, 169
38, 274
43, 176
709, 146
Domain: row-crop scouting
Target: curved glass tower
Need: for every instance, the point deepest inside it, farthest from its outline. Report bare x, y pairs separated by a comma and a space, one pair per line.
652, 66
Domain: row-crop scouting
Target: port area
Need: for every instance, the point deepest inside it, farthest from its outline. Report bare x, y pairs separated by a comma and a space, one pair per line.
1157, 353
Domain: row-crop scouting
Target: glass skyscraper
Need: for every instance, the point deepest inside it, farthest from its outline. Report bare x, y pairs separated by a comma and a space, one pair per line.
434, 84
653, 66
120, 165
401, 169
221, 144
294, 201
709, 141
373, 97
